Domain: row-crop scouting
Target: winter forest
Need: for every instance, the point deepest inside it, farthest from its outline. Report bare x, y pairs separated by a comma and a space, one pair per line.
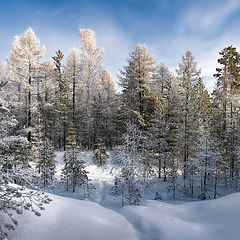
152, 137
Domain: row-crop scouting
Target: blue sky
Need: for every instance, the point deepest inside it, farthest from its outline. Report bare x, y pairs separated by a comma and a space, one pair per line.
168, 27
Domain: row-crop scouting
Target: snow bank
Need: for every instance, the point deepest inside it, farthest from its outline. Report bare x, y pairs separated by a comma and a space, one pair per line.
209, 220
71, 219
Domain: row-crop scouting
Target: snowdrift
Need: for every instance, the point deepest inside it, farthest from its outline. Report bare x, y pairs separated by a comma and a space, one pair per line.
71, 219
209, 220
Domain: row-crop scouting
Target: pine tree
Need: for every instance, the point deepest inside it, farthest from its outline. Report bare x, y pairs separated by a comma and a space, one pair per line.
136, 81
156, 138
109, 109
62, 97
173, 134
131, 159
74, 173
46, 103
72, 71
226, 105
46, 164
163, 130
100, 155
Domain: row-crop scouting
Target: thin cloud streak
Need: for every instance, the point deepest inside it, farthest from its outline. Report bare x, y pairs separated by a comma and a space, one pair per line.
206, 16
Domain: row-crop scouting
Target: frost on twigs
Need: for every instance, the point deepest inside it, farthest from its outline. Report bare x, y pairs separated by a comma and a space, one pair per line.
15, 175
14, 199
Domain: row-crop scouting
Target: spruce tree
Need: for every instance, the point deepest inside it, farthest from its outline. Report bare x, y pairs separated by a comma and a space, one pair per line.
226, 105
74, 173
136, 81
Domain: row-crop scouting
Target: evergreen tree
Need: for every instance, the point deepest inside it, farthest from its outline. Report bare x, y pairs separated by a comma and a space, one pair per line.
226, 105
62, 97
72, 71
99, 154
109, 109
74, 173
46, 164
136, 81
131, 158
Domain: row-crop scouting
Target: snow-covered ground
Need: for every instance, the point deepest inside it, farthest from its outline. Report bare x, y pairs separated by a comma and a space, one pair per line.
103, 218
101, 178
72, 219
209, 220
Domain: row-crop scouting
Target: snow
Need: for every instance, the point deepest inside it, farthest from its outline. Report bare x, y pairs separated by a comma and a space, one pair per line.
102, 178
106, 172
209, 220
73, 219
103, 217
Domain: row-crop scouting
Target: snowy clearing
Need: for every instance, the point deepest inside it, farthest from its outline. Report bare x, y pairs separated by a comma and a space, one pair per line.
73, 219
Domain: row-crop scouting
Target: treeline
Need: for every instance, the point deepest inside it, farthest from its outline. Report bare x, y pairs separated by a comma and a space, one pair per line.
78, 94
167, 123
176, 128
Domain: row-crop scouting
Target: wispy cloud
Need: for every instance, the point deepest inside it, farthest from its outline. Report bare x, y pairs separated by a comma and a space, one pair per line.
117, 46
168, 28
206, 15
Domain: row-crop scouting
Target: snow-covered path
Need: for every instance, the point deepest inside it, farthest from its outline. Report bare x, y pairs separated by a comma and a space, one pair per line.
102, 178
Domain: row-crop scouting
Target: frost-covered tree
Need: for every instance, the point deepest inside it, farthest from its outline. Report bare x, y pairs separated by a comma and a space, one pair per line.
108, 132
91, 60
161, 80
156, 141
136, 81
46, 164
23, 70
163, 128
72, 72
226, 107
15, 174
131, 160
202, 136
188, 75
61, 98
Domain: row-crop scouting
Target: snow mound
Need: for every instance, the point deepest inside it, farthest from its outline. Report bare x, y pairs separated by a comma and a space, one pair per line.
71, 219
209, 220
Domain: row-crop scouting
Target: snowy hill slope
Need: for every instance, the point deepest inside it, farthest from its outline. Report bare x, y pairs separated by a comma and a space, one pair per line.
71, 219
209, 220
